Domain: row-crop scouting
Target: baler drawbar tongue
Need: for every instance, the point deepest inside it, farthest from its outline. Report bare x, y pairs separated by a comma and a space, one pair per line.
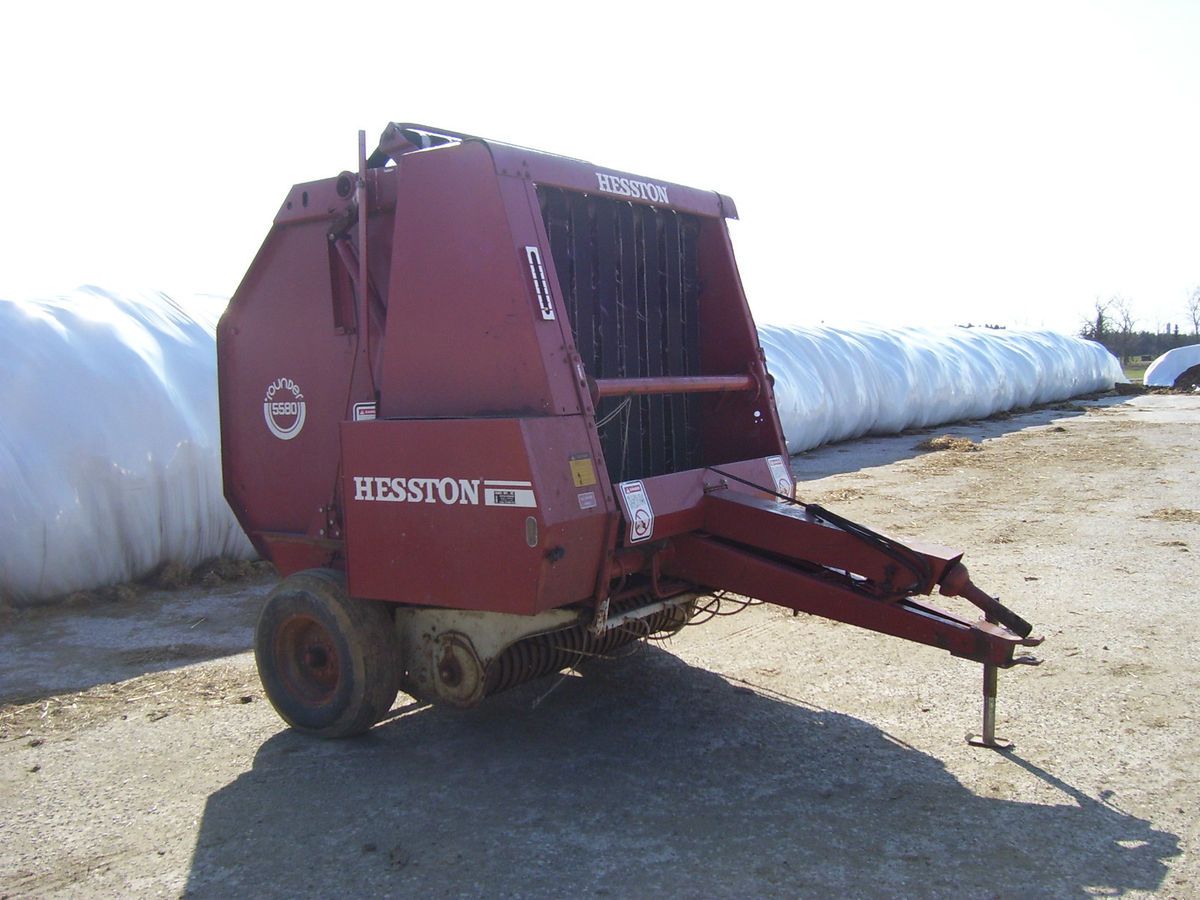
805, 558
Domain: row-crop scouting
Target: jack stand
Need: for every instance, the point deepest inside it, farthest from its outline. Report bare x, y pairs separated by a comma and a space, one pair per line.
988, 738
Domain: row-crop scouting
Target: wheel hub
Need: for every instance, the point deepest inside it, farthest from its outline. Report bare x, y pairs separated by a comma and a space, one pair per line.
308, 659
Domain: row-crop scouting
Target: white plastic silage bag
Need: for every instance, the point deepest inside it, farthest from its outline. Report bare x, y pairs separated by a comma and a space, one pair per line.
109, 441
832, 384
1166, 368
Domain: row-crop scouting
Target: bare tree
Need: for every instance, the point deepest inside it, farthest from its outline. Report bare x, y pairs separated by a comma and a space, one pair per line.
1125, 320
1193, 308
1111, 323
1098, 325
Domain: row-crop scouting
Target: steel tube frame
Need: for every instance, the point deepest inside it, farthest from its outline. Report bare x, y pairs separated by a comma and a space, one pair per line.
693, 384
712, 562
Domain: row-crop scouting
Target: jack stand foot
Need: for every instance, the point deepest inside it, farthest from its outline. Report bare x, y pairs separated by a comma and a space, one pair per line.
988, 739
997, 743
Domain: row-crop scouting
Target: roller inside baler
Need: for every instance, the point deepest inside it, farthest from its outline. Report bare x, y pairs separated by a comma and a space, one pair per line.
514, 415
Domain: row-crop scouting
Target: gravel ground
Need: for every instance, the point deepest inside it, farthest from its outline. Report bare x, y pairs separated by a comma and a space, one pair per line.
758, 755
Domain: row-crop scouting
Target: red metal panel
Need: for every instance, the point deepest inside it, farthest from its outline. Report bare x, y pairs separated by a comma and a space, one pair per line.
282, 327
472, 513
556, 348
296, 552
787, 530
721, 566
676, 501
277, 344
461, 322
579, 175
739, 425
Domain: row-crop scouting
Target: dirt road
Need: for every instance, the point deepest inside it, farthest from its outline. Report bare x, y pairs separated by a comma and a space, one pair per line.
758, 755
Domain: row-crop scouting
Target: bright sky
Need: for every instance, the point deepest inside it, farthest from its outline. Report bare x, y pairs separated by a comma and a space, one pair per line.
904, 163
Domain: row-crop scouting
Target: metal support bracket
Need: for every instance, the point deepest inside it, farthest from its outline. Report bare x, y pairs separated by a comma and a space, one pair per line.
987, 738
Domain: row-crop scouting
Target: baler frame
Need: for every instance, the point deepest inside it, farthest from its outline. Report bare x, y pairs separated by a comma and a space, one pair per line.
594, 297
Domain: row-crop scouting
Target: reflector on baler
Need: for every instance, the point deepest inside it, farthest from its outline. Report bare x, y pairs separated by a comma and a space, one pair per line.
520, 416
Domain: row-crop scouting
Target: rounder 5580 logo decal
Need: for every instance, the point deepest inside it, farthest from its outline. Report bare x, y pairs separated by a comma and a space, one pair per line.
283, 408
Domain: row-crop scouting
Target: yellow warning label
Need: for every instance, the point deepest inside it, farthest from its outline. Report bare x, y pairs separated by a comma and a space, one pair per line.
583, 473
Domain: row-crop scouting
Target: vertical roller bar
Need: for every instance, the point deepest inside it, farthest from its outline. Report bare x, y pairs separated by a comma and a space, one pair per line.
609, 326
582, 252
673, 336
633, 440
651, 306
689, 232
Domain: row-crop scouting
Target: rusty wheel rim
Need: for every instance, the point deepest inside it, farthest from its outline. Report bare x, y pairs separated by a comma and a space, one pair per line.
308, 659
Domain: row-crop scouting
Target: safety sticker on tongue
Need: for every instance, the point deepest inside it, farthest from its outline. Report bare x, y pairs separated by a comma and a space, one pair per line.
780, 475
638, 512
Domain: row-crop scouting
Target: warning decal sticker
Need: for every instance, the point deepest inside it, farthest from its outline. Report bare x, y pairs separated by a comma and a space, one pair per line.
638, 512
781, 476
583, 473
509, 493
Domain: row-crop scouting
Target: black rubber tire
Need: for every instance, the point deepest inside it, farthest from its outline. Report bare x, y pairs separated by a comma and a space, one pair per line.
329, 663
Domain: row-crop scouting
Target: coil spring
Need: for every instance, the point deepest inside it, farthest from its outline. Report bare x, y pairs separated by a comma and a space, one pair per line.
543, 654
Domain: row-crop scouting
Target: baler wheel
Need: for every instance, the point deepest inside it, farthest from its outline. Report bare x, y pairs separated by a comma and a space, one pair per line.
329, 663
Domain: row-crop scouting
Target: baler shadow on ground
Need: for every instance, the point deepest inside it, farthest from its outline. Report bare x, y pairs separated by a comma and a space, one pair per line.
648, 776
